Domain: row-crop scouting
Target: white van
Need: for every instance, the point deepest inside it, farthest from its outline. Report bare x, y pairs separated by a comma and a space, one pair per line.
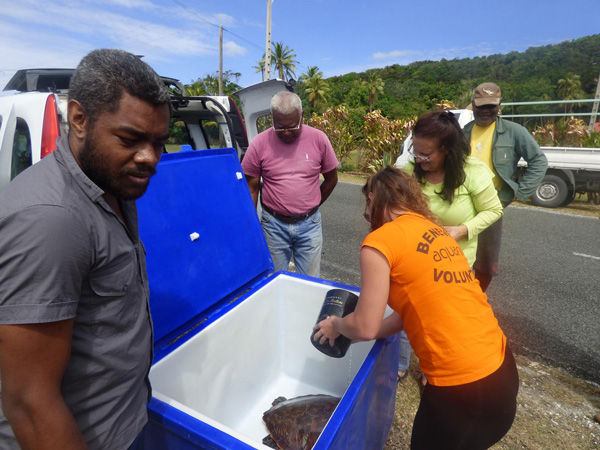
33, 113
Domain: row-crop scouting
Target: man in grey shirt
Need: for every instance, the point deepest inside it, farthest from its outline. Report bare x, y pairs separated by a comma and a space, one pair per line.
75, 326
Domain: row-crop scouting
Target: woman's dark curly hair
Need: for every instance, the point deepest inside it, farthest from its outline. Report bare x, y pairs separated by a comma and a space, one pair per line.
395, 190
443, 127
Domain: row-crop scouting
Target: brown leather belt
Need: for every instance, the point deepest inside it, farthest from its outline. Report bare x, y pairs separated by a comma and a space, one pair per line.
290, 219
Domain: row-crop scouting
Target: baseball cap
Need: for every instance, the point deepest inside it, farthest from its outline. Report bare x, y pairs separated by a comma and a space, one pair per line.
487, 94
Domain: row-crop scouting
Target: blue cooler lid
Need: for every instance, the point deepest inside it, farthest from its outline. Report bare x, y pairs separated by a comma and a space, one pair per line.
203, 239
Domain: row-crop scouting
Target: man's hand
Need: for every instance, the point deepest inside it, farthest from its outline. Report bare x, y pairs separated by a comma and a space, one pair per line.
254, 186
330, 179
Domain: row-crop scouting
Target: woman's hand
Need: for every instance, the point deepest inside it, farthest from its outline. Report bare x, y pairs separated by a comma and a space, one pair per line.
457, 232
326, 330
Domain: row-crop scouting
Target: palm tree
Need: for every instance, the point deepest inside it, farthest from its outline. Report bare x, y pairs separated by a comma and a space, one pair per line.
209, 85
374, 85
260, 67
195, 90
311, 72
316, 89
569, 88
282, 59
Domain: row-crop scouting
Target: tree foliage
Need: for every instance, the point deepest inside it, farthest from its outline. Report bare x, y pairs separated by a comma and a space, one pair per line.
572, 132
209, 85
569, 88
374, 85
337, 124
532, 75
314, 87
282, 59
283, 63
381, 139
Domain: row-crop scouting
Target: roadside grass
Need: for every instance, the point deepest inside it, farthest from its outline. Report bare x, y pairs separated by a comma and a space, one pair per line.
555, 411
580, 205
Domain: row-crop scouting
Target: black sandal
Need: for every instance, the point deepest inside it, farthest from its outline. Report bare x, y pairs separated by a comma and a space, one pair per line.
403, 376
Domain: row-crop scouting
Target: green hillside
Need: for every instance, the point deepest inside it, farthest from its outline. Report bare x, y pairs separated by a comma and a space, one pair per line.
410, 90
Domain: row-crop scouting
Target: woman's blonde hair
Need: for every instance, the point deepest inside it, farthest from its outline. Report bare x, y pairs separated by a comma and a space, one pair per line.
394, 190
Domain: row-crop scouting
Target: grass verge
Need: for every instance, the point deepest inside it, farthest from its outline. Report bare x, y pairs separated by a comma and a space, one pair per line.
555, 411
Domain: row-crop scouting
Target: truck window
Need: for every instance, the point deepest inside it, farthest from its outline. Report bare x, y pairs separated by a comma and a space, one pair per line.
21, 155
213, 134
264, 122
179, 135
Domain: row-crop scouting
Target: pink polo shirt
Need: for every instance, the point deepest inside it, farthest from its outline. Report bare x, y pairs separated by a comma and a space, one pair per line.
290, 172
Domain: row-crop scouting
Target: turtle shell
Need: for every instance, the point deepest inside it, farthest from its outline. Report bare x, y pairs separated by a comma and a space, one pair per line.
296, 424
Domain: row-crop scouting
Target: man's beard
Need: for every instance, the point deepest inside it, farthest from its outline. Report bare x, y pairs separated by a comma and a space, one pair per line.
96, 169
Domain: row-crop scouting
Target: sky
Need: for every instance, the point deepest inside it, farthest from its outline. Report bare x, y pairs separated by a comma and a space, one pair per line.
180, 38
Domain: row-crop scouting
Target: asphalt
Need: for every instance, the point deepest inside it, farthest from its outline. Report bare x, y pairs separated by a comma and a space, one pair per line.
547, 297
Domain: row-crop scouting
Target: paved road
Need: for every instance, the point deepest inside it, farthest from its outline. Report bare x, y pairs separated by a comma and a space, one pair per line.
547, 298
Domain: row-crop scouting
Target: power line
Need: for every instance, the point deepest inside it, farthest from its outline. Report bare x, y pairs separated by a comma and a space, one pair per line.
181, 5
245, 40
260, 47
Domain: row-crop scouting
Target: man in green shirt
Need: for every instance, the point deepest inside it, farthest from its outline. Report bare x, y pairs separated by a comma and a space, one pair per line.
500, 144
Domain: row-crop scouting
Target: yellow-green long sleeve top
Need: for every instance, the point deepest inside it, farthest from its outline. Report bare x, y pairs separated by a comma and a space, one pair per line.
476, 204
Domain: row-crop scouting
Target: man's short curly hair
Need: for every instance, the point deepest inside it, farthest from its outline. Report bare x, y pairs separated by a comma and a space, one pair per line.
104, 75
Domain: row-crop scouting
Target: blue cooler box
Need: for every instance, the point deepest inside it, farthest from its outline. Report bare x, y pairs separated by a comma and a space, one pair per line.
230, 337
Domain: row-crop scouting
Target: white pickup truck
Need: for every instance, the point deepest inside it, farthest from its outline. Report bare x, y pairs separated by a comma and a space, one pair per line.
33, 113
571, 170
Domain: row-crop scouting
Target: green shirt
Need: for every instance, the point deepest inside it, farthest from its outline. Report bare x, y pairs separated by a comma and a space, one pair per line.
511, 143
476, 204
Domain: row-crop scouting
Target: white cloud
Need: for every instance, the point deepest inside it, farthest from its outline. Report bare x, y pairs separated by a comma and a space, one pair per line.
37, 50
253, 24
222, 19
232, 49
42, 33
95, 25
394, 54
129, 3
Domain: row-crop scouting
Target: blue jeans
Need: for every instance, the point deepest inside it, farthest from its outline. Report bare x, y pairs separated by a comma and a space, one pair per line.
303, 240
404, 360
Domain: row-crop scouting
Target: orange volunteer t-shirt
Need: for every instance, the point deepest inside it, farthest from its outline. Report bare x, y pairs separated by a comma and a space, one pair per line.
447, 318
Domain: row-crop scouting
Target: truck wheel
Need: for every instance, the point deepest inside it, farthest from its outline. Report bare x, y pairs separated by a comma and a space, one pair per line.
570, 197
552, 192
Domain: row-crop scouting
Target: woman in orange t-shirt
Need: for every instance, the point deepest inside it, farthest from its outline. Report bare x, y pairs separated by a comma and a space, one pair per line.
411, 264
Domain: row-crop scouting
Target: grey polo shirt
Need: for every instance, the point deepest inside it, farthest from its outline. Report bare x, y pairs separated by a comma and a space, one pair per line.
64, 253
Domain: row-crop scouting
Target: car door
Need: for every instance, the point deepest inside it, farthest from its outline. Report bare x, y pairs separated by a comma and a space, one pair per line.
255, 102
8, 122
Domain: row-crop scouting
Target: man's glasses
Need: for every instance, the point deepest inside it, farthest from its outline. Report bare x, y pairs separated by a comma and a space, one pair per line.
282, 130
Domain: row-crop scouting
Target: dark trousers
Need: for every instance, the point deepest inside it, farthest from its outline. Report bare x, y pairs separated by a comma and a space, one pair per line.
138, 443
472, 416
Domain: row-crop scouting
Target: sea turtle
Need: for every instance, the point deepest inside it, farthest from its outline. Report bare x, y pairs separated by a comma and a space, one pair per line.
296, 424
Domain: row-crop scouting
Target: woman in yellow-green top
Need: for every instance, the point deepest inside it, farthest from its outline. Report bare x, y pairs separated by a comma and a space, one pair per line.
460, 189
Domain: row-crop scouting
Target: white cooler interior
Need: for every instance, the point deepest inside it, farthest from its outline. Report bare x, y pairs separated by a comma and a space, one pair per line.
229, 373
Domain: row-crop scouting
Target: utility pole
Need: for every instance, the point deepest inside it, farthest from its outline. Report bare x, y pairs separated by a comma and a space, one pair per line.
268, 46
220, 59
595, 106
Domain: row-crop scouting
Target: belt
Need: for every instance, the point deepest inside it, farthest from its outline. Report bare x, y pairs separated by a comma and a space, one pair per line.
290, 219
